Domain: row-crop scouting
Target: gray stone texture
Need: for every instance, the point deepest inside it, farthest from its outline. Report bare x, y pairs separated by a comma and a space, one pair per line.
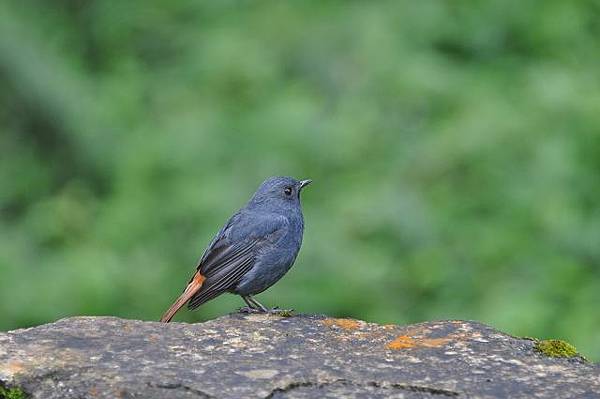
269, 356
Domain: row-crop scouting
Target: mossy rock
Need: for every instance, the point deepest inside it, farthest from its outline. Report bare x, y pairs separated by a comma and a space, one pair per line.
555, 348
12, 393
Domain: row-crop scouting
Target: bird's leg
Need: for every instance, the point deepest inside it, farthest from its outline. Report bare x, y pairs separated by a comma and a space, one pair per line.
251, 308
247, 300
275, 310
257, 304
256, 307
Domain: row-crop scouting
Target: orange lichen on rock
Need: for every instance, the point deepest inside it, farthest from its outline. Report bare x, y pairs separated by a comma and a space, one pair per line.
401, 342
12, 367
405, 342
434, 342
346, 324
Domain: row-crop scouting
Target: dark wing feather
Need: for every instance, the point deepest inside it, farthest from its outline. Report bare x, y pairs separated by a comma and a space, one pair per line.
228, 276
226, 260
225, 253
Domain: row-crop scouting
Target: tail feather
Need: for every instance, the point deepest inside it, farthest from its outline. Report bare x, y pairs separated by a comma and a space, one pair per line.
192, 288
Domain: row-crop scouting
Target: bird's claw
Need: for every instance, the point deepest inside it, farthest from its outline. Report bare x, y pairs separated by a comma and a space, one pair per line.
248, 309
274, 311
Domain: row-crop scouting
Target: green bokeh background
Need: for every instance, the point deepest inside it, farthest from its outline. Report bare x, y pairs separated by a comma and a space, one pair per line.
454, 147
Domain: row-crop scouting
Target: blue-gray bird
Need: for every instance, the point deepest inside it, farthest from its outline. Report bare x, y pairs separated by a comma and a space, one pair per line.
254, 249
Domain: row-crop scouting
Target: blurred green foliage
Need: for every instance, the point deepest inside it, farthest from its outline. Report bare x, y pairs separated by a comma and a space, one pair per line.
454, 146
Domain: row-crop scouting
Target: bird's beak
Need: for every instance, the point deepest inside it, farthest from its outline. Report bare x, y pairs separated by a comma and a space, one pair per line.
304, 183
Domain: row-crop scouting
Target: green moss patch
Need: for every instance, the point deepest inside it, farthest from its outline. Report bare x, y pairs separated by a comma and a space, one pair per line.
555, 348
12, 393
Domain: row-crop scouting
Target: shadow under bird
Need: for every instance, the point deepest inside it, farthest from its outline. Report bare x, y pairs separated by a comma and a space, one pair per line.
254, 249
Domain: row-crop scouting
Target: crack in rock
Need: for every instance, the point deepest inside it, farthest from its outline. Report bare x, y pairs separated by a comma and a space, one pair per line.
179, 386
406, 387
417, 388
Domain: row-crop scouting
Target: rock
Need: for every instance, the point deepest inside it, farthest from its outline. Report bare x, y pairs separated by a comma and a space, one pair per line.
267, 356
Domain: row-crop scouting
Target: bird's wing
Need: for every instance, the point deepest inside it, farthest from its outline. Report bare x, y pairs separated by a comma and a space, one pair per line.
233, 252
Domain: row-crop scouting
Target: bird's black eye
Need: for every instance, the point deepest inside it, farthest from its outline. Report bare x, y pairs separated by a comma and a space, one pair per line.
287, 191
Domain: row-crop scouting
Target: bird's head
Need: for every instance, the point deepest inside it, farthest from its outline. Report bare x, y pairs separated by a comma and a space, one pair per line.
279, 193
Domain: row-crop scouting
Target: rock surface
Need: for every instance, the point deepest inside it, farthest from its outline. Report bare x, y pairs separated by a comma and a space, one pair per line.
267, 356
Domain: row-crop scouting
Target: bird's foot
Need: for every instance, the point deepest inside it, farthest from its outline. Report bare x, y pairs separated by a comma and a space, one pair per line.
274, 311
248, 309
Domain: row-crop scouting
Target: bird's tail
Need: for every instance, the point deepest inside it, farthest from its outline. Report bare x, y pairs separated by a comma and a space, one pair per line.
192, 288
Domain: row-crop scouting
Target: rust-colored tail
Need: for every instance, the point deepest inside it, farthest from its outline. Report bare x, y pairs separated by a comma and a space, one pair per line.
193, 287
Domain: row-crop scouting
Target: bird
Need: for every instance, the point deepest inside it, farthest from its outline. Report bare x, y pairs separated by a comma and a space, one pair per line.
255, 248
